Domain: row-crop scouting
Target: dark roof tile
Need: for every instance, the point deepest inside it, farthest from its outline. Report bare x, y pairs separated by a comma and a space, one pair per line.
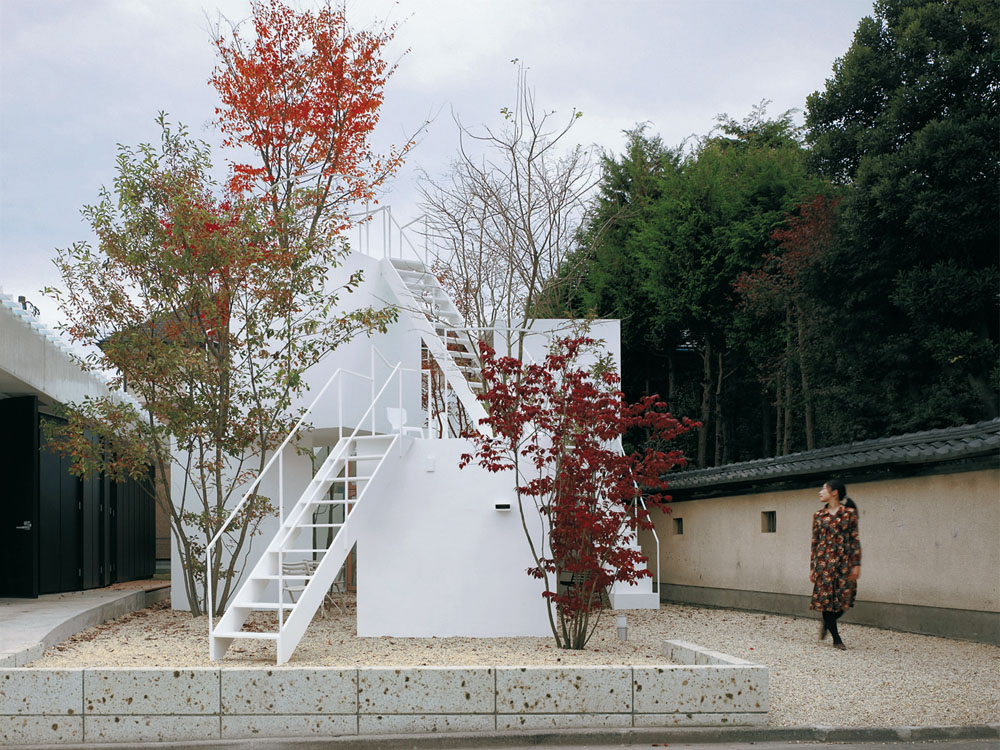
928, 447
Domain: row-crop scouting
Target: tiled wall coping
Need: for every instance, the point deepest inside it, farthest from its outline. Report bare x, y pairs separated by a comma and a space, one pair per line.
156, 705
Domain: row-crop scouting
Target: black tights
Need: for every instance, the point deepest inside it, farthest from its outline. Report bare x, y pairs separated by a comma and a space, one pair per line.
830, 620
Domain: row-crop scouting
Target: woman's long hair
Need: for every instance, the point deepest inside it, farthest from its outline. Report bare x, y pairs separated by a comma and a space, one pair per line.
840, 488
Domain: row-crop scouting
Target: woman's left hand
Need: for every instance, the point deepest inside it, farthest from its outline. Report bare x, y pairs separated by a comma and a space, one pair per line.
855, 573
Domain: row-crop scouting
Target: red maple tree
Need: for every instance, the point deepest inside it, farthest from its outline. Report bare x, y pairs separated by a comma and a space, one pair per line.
304, 95
557, 425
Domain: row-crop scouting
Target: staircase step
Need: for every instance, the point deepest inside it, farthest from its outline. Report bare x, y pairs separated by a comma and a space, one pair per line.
264, 605
245, 634
319, 525
284, 577
314, 549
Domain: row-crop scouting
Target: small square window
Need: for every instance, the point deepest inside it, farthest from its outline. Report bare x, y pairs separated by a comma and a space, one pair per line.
678, 525
769, 521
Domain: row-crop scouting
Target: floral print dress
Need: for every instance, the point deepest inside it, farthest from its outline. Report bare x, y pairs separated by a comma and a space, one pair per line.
836, 549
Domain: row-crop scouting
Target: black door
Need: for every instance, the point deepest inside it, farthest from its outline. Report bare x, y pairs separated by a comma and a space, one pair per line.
59, 537
19, 512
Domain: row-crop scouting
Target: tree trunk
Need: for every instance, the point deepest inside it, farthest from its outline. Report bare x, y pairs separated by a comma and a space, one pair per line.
706, 404
807, 399
786, 446
671, 380
778, 411
765, 423
718, 412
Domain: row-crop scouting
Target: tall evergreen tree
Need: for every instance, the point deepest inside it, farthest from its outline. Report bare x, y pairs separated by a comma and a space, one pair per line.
909, 121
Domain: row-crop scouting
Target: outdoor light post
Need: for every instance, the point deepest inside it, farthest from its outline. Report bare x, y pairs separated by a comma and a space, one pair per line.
622, 628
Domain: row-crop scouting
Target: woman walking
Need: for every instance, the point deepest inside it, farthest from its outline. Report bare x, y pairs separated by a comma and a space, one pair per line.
835, 562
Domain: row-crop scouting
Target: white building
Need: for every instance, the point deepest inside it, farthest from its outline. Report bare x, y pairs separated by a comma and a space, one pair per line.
441, 544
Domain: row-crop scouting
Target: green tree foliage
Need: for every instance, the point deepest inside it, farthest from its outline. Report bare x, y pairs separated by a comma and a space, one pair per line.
209, 320
691, 222
909, 123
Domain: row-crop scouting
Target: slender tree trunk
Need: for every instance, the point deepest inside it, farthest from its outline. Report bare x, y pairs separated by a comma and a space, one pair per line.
787, 443
807, 399
706, 404
671, 380
718, 412
765, 424
779, 407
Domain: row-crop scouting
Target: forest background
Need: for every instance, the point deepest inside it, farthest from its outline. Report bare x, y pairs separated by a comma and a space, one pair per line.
793, 288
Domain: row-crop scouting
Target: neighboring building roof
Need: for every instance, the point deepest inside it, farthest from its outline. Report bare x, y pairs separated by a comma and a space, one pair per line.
948, 449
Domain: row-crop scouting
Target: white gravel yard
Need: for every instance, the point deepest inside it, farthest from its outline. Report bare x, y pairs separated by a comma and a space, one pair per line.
883, 679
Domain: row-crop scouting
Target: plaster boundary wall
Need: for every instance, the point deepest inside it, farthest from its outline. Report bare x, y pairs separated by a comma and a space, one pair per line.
55, 706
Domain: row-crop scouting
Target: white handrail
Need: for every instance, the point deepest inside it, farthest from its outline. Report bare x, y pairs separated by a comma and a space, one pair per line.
209, 601
290, 524
635, 513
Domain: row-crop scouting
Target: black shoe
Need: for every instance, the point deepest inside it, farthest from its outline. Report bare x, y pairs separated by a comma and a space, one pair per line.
840, 646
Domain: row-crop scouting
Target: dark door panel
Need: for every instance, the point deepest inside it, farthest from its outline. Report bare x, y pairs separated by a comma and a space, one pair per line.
19, 511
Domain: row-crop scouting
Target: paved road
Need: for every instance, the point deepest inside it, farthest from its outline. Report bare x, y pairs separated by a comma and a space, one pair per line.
425, 743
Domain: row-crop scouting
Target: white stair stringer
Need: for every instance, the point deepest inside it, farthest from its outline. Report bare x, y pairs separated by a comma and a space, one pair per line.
436, 305
637, 596
360, 460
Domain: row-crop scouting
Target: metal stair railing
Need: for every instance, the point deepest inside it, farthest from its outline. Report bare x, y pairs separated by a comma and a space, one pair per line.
276, 458
388, 227
635, 514
437, 348
290, 629
294, 626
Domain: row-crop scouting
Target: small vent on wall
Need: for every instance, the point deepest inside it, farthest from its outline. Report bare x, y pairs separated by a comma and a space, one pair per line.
769, 521
678, 525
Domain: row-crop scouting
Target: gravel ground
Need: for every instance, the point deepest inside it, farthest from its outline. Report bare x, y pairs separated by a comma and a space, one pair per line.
883, 679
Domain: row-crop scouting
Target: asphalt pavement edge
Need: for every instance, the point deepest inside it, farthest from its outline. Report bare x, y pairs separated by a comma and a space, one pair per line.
664, 736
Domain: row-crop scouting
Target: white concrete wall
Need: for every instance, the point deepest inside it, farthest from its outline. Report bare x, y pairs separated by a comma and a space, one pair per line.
296, 473
398, 344
441, 560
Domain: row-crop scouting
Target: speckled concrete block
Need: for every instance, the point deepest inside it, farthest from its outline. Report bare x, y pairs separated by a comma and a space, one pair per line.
122, 691
8, 660
41, 691
563, 721
700, 689
426, 690
289, 691
40, 730
152, 728
553, 690
701, 720
682, 652
248, 727
29, 654
425, 723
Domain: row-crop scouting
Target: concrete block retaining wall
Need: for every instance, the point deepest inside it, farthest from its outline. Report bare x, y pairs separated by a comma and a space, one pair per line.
148, 705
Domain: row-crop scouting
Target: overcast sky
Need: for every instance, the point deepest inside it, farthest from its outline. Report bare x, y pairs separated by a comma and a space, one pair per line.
78, 77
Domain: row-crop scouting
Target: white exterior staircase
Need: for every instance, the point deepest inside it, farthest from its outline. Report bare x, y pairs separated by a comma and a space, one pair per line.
353, 465
442, 330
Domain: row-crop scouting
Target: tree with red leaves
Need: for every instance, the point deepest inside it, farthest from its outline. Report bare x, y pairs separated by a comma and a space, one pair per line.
304, 95
784, 286
210, 323
557, 426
